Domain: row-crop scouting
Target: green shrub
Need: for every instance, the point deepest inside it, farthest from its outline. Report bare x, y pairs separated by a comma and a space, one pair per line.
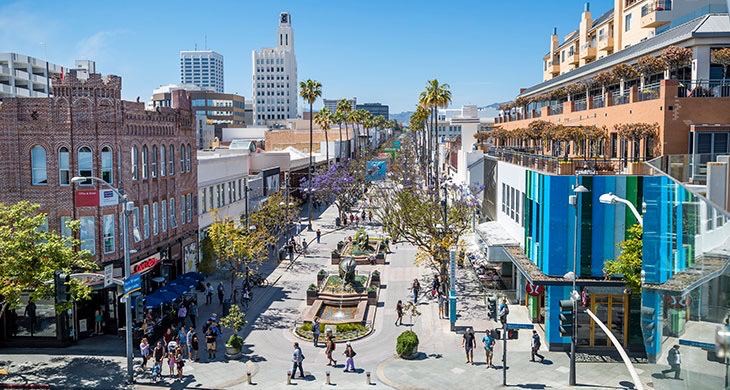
306, 327
407, 344
351, 327
235, 341
312, 287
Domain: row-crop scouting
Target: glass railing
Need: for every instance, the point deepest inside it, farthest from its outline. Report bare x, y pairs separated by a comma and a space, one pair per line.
620, 98
649, 92
598, 102
579, 105
704, 88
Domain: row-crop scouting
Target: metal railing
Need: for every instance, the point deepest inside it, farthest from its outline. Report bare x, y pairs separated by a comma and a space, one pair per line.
649, 92
555, 109
619, 98
704, 88
598, 102
579, 105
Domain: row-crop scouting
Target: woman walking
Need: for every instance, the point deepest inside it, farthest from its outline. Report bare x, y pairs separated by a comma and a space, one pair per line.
350, 362
399, 313
330, 348
194, 347
144, 350
416, 287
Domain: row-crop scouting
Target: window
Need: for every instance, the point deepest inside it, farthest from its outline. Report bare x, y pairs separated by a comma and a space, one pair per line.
87, 236
108, 233
64, 171
65, 231
39, 175
173, 216
106, 164
190, 208
182, 159
135, 225
155, 218
562, 56
171, 169
189, 159
163, 160
203, 205
183, 209
135, 162
627, 22
146, 221
145, 156
163, 216
86, 165
233, 195
153, 172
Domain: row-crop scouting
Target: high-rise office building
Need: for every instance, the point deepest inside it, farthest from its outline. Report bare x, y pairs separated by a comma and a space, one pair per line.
203, 68
331, 104
275, 78
375, 109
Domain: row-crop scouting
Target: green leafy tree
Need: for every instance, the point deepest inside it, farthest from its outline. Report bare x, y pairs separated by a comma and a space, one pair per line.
235, 320
29, 256
628, 263
310, 90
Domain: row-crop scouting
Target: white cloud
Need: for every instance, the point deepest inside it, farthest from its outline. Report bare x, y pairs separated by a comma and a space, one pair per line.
94, 46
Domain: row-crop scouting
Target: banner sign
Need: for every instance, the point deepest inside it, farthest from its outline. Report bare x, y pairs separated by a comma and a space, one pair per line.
86, 198
108, 275
132, 283
376, 170
108, 198
146, 265
534, 289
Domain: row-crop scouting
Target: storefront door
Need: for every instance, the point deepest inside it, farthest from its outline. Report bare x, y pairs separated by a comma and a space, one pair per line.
612, 310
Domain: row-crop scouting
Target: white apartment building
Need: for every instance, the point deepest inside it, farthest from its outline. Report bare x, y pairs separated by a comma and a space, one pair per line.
26, 76
331, 104
203, 68
275, 78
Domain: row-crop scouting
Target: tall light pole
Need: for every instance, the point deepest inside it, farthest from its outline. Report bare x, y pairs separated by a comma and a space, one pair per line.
573, 200
127, 207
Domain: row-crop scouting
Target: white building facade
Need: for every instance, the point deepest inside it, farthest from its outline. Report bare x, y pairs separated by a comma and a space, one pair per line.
26, 76
275, 78
203, 68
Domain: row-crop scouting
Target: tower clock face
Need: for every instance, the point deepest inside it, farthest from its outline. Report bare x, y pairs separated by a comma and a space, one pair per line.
284, 18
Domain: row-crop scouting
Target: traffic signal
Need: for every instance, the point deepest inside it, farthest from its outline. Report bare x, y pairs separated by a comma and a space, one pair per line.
492, 308
63, 289
647, 324
512, 334
567, 316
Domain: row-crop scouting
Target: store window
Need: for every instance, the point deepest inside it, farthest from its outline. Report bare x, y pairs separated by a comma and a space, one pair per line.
87, 234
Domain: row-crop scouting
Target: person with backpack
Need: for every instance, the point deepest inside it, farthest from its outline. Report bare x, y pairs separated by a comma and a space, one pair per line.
536, 347
350, 362
210, 339
489, 342
503, 311
297, 359
674, 359
329, 349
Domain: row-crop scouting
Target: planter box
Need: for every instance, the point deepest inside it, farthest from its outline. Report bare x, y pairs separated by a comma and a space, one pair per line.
311, 297
335, 257
372, 297
232, 353
375, 280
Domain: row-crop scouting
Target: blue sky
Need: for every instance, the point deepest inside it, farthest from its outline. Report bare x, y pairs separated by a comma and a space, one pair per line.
376, 50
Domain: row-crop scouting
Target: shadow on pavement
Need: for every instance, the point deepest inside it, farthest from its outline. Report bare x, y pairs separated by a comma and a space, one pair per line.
89, 372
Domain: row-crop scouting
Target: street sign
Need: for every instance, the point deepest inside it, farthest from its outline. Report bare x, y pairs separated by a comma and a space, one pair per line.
520, 326
108, 275
108, 198
132, 283
698, 344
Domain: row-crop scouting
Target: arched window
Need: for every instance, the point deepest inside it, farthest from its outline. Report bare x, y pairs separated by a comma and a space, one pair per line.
39, 175
153, 172
135, 163
107, 163
163, 160
172, 160
64, 170
145, 156
188, 159
86, 163
182, 159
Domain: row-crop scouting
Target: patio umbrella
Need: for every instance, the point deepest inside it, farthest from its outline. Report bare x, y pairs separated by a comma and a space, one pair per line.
159, 297
180, 286
193, 275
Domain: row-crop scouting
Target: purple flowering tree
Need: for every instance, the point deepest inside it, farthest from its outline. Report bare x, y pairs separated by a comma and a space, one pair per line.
338, 184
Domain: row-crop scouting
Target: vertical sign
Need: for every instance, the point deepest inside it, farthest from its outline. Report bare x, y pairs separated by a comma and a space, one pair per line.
452, 288
108, 275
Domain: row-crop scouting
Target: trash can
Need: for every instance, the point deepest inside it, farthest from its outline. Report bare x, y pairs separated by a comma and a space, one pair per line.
337, 221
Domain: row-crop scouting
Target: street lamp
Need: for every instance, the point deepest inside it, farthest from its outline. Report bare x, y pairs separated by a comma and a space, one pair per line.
610, 198
127, 207
573, 200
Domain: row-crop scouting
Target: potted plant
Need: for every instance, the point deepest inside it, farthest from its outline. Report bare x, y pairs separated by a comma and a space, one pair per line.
372, 295
335, 257
407, 345
375, 278
312, 293
234, 320
321, 276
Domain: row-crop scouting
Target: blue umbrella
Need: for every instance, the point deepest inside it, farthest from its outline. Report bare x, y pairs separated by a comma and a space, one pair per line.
186, 280
160, 297
180, 287
193, 275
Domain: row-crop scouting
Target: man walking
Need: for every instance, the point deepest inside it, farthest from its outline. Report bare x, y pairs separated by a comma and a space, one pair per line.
315, 331
489, 342
319, 235
208, 294
503, 311
30, 312
674, 359
221, 292
297, 358
536, 347
193, 311
468, 341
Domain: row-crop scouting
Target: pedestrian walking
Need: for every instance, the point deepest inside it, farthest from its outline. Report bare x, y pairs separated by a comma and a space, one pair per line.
246, 298
179, 362
221, 292
319, 235
399, 313
442, 304
674, 358
158, 354
468, 341
297, 359
415, 287
304, 245
503, 311
350, 362
30, 313
370, 216
536, 347
315, 331
210, 339
194, 345
189, 342
489, 342
171, 362
182, 314
182, 338
436, 284
329, 349
144, 350
98, 321
193, 312
208, 294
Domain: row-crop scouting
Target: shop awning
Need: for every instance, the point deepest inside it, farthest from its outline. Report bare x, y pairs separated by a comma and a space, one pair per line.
705, 268
160, 297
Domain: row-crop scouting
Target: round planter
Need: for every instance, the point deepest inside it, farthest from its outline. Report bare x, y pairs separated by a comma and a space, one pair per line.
413, 355
233, 353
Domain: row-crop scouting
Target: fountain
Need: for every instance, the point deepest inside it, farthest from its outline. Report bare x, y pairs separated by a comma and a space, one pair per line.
363, 248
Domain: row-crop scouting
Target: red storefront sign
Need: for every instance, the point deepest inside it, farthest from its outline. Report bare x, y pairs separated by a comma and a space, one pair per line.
146, 265
86, 198
534, 289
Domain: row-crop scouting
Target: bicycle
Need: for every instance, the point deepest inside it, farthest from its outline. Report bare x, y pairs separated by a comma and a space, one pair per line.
258, 280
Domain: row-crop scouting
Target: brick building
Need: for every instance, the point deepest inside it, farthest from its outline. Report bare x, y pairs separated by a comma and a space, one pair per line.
85, 129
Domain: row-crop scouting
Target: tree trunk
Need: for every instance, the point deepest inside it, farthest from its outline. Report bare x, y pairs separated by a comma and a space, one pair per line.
340, 148
309, 171
347, 135
327, 143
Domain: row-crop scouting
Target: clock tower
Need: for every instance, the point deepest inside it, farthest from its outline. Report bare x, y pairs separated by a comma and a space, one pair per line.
286, 34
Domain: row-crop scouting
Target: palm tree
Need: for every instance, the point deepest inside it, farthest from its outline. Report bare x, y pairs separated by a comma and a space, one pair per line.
323, 119
435, 96
418, 124
367, 122
354, 118
310, 90
338, 117
344, 108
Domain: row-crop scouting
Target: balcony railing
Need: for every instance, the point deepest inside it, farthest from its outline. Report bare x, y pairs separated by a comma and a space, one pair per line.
598, 101
649, 92
555, 109
704, 88
620, 98
580, 105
